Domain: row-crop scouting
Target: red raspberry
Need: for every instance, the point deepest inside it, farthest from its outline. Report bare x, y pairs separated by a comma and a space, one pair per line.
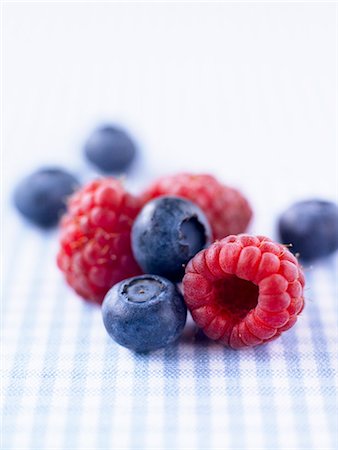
244, 290
226, 209
95, 250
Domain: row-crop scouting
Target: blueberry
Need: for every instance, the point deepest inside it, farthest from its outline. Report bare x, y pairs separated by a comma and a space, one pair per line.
167, 233
144, 313
110, 149
311, 226
41, 197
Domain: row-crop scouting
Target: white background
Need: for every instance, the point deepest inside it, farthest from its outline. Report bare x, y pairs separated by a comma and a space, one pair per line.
245, 91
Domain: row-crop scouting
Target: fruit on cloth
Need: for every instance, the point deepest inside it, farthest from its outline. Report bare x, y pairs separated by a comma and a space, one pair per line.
226, 208
144, 313
166, 234
41, 197
95, 249
244, 290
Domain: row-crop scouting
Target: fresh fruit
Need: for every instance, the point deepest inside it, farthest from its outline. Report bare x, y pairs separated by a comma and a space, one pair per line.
144, 313
311, 226
166, 234
226, 209
95, 250
244, 290
110, 149
41, 197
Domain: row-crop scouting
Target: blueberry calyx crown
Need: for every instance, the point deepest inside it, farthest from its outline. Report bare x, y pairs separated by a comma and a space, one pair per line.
143, 289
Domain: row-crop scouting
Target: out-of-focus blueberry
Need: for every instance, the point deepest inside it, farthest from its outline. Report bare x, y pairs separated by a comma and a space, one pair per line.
41, 197
311, 226
110, 149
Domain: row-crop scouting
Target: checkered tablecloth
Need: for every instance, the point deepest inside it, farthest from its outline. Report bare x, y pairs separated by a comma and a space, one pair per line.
68, 386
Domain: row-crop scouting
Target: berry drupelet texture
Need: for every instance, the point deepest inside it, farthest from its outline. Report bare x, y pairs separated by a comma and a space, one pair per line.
244, 290
144, 313
95, 249
311, 226
166, 234
41, 197
226, 208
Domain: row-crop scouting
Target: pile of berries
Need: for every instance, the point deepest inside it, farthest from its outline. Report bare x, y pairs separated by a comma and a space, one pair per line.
178, 245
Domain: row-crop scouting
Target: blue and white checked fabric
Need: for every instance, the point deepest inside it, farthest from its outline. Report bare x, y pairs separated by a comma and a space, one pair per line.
68, 386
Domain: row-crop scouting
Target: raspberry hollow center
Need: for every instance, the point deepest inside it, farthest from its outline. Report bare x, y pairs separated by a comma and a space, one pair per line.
236, 296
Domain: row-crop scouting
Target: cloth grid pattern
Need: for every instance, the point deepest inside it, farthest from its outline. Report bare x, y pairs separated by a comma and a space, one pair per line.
66, 385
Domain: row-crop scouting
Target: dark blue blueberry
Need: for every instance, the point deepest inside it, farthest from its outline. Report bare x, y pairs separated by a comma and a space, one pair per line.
167, 233
41, 197
144, 313
110, 149
311, 227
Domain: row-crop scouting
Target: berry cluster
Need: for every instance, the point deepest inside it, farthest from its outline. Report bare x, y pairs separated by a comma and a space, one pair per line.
128, 252
241, 290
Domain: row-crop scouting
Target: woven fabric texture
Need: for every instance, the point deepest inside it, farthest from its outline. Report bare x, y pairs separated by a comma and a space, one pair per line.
68, 386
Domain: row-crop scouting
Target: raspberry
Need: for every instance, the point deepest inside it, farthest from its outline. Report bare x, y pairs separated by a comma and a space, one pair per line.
226, 209
244, 290
95, 249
